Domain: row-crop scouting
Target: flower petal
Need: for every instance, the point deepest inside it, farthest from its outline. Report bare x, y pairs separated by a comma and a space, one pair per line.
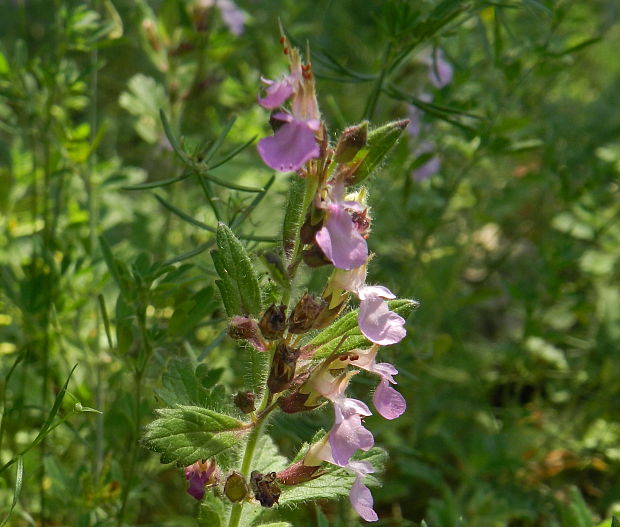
348, 434
277, 93
232, 16
340, 241
362, 501
388, 402
378, 323
290, 148
375, 290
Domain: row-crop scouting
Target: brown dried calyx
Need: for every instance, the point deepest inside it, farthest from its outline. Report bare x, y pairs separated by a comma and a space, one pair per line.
265, 488
282, 367
305, 314
273, 322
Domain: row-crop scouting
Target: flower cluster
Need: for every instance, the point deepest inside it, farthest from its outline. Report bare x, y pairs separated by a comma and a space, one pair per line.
335, 233
333, 230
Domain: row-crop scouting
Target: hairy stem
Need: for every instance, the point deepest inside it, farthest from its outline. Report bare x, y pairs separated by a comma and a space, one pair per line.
248, 455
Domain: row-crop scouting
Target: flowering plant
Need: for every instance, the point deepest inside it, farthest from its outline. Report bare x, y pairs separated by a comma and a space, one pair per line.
301, 348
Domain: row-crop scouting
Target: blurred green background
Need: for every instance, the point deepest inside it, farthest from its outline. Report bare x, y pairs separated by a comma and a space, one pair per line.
512, 245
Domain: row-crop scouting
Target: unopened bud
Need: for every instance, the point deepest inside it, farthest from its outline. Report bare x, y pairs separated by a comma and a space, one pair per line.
235, 488
298, 473
265, 488
245, 402
247, 329
282, 367
305, 314
273, 322
351, 141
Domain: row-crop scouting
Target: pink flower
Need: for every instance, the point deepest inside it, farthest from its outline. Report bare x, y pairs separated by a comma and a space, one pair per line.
359, 495
431, 166
199, 475
294, 144
389, 403
340, 238
348, 434
375, 320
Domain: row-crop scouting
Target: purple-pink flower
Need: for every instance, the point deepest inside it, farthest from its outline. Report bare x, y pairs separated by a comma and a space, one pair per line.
389, 403
294, 143
375, 320
199, 475
359, 495
232, 16
348, 433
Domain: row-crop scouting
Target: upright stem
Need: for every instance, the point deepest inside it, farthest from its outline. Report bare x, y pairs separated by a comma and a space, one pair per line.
248, 456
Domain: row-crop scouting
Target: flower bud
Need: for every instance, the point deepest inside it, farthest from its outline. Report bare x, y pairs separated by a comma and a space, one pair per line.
235, 488
282, 367
245, 402
273, 322
265, 488
305, 314
298, 473
351, 141
244, 328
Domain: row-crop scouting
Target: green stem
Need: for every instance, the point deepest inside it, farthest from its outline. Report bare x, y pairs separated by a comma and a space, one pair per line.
248, 456
371, 105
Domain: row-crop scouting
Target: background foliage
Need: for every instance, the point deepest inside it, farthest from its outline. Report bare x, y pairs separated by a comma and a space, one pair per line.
512, 247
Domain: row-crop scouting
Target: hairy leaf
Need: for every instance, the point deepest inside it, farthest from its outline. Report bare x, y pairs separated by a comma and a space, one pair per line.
293, 217
380, 142
212, 512
238, 278
335, 482
187, 433
267, 457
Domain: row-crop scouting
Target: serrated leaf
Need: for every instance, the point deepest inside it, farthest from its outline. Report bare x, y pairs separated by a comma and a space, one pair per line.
267, 457
187, 433
180, 385
336, 482
293, 216
329, 338
380, 142
239, 283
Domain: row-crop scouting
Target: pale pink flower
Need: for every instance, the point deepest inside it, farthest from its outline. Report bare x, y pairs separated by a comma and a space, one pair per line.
359, 495
340, 239
389, 403
375, 320
440, 72
232, 16
348, 433
294, 143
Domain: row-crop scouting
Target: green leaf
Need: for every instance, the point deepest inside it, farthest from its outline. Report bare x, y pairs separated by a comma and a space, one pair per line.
327, 340
180, 385
172, 138
212, 512
187, 433
19, 478
380, 142
293, 217
615, 522
184, 216
335, 482
156, 184
239, 283
275, 266
267, 457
